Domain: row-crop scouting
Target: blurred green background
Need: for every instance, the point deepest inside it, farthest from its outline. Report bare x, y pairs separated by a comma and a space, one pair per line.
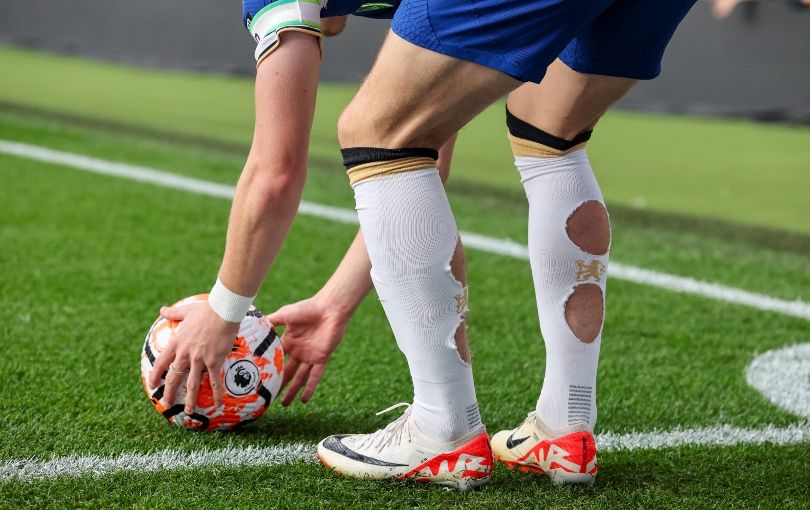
741, 171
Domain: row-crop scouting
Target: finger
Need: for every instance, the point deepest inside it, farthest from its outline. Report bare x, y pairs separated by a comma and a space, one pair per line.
161, 365
299, 380
215, 379
281, 316
312, 383
290, 367
193, 386
174, 313
174, 380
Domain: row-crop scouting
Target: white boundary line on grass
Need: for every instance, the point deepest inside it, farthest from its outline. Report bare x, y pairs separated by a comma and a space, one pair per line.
761, 370
252, 456
97, 465
494, 245
783, 377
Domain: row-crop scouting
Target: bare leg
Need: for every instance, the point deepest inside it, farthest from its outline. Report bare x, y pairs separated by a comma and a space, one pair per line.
566, 102
446, 158
420, 104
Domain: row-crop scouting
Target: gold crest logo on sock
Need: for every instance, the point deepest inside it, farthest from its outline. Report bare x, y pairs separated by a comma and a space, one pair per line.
589, 271
461, 302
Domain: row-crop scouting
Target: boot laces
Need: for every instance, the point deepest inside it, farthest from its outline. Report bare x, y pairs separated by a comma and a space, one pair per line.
393, 433
530, 418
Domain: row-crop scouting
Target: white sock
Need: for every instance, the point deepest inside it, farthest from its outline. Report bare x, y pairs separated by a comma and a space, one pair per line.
411, 236
556, 187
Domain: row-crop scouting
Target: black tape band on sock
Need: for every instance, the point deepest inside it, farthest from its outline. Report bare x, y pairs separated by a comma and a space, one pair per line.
355, 156
364, 163
522, 129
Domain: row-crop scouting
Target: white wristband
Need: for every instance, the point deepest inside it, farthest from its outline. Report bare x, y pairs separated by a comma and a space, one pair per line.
230, 306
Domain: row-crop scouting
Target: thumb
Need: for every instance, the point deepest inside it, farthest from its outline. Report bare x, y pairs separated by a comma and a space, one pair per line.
282, 316
174, 313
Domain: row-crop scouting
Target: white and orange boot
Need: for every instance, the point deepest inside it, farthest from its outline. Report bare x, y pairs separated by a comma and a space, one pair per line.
567, 456
401, 451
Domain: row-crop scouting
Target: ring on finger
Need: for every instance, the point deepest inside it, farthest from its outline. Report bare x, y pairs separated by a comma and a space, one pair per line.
175, 371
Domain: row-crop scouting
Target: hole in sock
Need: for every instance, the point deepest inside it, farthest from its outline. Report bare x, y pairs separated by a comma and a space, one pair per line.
584, 312
588, 227
458, 267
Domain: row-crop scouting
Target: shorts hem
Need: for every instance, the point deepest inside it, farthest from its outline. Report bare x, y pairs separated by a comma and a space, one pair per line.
607, 70
491, 61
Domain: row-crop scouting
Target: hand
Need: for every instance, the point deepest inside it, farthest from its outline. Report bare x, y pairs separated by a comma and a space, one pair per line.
722, 9
201, 342
313, 331
334, 25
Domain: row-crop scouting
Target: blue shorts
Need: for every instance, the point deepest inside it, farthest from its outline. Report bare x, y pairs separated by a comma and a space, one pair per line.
624, 38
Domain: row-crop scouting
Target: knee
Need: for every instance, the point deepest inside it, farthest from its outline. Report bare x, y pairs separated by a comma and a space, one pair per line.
348, 127
361, 125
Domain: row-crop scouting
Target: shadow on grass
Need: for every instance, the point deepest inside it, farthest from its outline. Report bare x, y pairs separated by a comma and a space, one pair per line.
291, 424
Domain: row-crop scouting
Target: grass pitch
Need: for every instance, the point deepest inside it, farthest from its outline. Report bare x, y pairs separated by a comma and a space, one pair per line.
87, 260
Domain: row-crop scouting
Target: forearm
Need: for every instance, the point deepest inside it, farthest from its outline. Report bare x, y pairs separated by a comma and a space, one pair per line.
351, 281
258, 223
269, 189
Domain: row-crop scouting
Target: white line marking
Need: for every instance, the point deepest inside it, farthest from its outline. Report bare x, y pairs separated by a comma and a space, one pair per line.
721, 435
494, 245
93, 465
783, 377
252, 456
765, 372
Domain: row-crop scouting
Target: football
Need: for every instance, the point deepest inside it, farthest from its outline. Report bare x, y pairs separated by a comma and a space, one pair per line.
251, 375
